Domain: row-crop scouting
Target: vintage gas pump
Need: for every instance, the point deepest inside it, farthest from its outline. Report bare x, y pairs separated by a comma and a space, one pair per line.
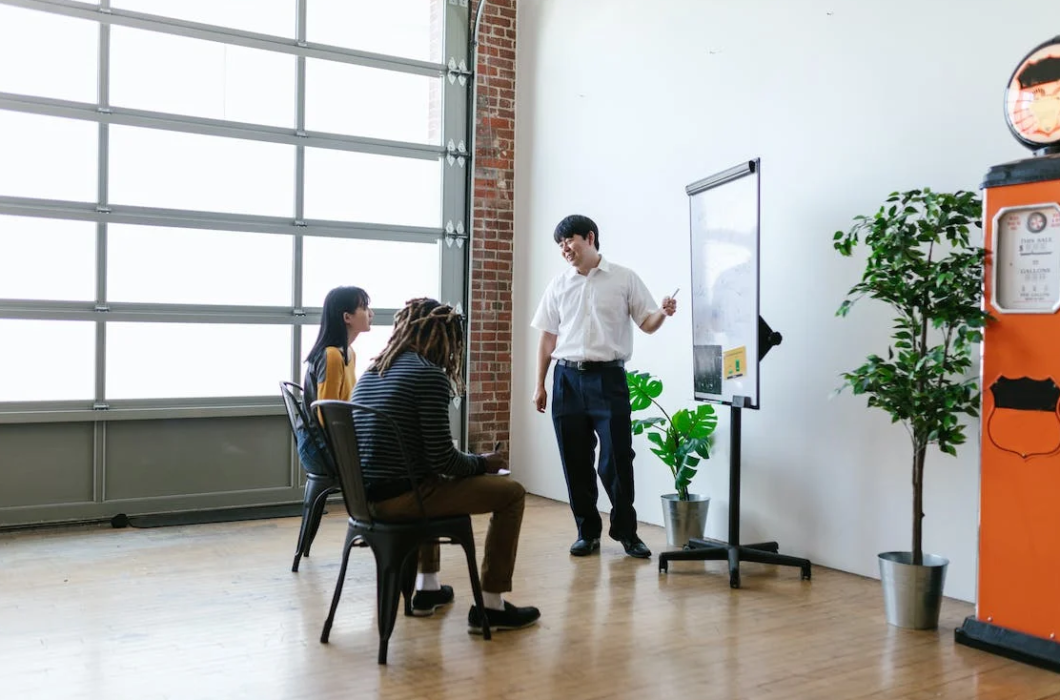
1018, 598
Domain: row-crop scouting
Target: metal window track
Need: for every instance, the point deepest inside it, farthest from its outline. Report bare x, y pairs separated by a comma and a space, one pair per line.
218, 221
86, 111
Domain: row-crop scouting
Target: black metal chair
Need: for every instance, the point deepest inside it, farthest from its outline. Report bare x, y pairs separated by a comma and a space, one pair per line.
318, 486
394, 544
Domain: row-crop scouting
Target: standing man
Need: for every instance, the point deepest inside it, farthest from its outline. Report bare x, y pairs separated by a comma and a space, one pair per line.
584, 319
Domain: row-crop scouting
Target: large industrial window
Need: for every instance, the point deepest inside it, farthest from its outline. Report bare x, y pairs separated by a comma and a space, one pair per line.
181, 183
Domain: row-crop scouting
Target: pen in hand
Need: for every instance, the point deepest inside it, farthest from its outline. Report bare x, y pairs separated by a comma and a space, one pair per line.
670, 308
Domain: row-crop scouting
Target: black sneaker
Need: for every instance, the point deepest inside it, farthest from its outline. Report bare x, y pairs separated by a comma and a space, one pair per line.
424, 603
511, 618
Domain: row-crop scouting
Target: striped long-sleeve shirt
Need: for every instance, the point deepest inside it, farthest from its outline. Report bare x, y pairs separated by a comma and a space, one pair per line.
415, 394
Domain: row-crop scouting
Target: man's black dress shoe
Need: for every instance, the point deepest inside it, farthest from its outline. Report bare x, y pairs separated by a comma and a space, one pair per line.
583, 548
635, 548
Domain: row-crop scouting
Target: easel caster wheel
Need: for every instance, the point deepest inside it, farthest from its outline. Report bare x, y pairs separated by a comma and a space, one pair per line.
662, 567
806, 574
734, 579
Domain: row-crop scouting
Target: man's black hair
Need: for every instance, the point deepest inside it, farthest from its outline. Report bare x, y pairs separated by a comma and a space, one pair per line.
577, 225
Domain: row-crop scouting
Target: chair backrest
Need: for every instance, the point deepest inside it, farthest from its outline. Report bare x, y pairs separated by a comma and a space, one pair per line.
293, 402
342, 435
298, 415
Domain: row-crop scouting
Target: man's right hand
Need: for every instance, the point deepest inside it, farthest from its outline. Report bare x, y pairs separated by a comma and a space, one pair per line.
540, 399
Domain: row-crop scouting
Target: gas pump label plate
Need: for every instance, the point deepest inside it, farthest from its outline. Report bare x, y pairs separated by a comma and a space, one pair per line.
1027, 259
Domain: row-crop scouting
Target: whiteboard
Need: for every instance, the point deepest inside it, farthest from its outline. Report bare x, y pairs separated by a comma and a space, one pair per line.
724, 224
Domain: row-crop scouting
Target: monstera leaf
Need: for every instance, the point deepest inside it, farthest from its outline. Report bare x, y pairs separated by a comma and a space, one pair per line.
680, 440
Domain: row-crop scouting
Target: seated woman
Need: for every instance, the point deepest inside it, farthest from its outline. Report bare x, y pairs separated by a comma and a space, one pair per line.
412, 381
331, 363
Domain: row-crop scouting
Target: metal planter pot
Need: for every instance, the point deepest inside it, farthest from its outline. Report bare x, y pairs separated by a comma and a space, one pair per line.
912, 594
684, 519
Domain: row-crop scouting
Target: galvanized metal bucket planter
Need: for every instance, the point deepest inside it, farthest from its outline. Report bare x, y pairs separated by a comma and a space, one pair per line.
912, 594
684, 519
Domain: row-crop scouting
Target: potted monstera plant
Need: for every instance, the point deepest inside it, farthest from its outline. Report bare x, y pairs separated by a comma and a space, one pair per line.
922, 263
680, 440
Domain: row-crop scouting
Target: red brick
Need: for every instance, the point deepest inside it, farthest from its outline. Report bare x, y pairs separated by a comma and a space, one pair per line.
489, 373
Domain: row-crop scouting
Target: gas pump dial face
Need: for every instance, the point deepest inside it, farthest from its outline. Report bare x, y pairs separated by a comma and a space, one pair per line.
1027, 259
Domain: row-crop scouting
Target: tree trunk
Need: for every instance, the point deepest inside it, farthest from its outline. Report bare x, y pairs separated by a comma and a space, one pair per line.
918, 504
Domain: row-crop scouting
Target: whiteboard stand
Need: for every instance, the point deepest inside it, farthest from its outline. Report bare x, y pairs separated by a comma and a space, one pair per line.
715, 550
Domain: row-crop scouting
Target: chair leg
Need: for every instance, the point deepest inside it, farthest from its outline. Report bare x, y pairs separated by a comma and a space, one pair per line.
408, 580
388, 590
316, 489
351, 536
316, 512
301, 535
476, 586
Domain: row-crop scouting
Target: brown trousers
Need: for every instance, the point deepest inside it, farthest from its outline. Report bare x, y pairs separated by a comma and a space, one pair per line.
502, 496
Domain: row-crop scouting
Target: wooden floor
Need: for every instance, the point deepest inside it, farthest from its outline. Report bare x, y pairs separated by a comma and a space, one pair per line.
212, 611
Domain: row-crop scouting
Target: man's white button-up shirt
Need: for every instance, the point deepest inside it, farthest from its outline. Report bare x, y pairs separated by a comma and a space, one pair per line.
591, 314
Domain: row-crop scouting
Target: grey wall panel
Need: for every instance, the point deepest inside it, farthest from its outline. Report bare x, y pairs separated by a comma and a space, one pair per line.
45, 463
176, 457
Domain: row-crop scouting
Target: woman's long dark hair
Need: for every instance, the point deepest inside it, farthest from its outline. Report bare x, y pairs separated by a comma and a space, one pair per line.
332, 327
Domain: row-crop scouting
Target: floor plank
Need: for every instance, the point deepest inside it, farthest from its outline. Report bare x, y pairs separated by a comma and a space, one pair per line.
212, 611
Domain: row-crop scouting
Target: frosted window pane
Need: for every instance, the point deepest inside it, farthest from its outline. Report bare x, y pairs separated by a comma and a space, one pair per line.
166, 73
47, 259
48, 157
47, 360
48, 55
363, 187
347, 99
188, 360
276, 17
367, 346
407, 28
154, 168
201, 267
371, 265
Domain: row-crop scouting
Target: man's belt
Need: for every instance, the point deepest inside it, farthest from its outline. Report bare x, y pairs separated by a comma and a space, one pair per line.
588, 366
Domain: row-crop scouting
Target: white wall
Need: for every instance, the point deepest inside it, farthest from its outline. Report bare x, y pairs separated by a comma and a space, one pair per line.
622, 103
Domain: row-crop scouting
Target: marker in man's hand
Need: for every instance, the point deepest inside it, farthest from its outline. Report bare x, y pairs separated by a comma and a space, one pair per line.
674, 295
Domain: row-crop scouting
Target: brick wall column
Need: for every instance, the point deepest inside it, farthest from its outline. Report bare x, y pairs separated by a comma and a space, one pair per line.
489, 374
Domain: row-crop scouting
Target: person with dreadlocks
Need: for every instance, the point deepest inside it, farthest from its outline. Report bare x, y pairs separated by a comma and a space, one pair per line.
412, 382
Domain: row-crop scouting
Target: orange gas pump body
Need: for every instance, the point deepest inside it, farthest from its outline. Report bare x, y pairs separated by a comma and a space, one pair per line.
1019, 515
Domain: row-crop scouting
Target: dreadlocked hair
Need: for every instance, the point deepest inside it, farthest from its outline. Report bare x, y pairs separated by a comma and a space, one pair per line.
432, 329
